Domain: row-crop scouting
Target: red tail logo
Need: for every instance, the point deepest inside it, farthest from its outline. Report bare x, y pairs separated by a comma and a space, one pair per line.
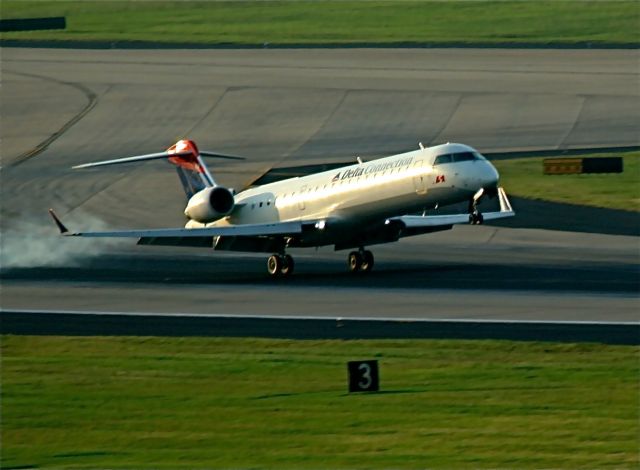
188, 161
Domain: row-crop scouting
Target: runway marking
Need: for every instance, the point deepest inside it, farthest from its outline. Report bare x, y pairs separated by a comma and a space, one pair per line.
315, 317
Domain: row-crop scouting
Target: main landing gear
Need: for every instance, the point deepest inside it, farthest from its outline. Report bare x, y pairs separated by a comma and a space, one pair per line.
361, 260
280, 265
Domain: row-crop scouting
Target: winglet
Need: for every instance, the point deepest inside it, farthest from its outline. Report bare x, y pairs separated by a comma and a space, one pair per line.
505, 205
61, 227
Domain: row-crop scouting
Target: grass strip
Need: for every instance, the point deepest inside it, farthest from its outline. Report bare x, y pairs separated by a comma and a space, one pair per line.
562, 22
524, 177
123, 402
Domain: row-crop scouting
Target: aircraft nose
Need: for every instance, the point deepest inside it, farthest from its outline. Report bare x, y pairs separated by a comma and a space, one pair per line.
491, 176
494, 176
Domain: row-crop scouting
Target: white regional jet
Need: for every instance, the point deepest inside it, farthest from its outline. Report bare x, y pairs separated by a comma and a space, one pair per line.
355, 206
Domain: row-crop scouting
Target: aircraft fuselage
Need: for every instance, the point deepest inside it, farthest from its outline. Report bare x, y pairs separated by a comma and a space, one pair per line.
356, 196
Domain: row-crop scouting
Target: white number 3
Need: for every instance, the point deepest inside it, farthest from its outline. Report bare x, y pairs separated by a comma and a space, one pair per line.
366, 376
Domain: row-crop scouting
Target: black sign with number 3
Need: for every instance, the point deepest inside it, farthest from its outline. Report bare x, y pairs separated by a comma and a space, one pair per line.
363, 376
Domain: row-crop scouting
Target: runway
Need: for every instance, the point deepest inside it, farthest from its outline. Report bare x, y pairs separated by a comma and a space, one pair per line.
288, 107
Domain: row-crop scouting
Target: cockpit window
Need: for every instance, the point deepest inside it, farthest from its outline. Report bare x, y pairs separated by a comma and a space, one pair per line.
440, 159
457, 157
463, 157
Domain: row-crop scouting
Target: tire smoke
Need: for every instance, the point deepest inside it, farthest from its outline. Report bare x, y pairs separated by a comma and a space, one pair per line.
35, 242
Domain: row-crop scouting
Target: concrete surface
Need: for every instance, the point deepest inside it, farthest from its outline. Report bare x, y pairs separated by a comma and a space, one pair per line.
286, 107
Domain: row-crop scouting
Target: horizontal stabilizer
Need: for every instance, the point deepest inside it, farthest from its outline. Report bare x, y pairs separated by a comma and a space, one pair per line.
206, 153
153, 156
138, 158
183, 149
185, 155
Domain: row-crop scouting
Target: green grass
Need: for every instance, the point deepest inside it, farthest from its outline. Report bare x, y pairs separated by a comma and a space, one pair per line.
337, 22
523, 177
120, 402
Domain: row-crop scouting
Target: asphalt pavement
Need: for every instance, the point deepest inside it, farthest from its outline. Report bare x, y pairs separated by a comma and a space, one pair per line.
295, 107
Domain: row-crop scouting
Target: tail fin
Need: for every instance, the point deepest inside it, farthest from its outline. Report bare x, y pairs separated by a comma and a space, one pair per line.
192, 171
184, 154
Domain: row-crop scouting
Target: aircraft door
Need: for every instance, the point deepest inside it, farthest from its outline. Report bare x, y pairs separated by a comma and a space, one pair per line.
301, 204
419, 178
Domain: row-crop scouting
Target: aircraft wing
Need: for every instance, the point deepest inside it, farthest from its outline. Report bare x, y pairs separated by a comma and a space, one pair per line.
416, 221
246, 230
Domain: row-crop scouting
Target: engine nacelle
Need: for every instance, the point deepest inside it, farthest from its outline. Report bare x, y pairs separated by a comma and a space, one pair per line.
210, 204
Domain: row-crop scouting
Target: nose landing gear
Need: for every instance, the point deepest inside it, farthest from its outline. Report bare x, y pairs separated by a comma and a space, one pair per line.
475, 216
360, 261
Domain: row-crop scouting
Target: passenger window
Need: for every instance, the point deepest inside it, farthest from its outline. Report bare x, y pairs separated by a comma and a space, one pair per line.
442, 159
260, 204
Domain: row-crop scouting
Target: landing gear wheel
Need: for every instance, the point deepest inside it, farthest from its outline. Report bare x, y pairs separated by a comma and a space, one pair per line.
367, 261
355, 261
287, 265
274, 265
360, 261
280, 265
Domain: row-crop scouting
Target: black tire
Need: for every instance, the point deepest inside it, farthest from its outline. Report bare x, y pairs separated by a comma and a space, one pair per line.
475, 218
287, 265
354, 261
367, 261
274, 265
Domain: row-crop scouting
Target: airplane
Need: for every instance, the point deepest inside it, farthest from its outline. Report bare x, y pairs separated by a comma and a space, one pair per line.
350, 207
